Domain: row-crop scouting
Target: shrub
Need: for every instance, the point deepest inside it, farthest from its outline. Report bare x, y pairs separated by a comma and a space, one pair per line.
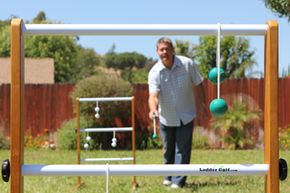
284, 136
103, 85
145, 141
67, 135
4, 142
135, 75
199, 139
34, 141
235, 125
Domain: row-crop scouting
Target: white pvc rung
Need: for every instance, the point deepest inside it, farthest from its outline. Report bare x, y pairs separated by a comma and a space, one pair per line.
105, 99
146, 170
107, 159
143, 29
106, 129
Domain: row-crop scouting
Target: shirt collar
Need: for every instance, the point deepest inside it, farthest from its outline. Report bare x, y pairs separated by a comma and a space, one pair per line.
176, 63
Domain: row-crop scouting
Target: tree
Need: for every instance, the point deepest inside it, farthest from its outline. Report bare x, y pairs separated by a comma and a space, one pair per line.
5, 41
125, 60
286, 72
41, 17
4, 23
236, 57
129, 63
62, 49
72, 62
281, 7
86, 63
183, 48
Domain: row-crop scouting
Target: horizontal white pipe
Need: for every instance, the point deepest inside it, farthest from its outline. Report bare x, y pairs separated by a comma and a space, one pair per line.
93, 130
107, 159
144, 29
105, 99
146, 170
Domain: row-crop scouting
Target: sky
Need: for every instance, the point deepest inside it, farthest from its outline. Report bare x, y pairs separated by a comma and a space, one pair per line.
154, 12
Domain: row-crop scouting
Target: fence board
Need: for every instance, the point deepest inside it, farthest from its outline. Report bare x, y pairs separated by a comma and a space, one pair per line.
48, 105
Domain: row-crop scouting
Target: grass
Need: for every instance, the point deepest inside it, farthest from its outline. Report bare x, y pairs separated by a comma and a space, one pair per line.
148, 184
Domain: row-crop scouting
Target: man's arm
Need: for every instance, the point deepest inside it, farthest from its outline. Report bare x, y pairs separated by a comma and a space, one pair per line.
201, 107
153, 104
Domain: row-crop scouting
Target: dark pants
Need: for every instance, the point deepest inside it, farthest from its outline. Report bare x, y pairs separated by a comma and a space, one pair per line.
177, 142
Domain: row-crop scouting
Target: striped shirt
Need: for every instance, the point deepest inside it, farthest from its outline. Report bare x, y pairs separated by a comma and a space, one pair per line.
176, 99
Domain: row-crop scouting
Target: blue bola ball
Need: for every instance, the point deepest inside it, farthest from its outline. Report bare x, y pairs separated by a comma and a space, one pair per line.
218, 107
213, 75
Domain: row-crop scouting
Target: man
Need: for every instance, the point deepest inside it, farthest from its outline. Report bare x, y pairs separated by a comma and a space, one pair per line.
171, 83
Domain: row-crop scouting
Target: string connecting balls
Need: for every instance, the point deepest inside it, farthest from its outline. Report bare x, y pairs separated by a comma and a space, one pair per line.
218, 107
213, 75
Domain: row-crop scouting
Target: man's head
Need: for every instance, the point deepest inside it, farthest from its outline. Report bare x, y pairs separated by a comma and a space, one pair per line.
165, 51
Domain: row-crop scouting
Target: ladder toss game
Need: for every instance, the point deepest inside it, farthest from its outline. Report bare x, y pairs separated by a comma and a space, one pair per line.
270, 168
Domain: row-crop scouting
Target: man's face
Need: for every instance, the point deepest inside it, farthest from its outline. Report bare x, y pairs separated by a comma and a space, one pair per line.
165, 52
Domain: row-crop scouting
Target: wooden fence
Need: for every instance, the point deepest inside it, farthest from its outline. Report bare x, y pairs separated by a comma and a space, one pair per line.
47, 106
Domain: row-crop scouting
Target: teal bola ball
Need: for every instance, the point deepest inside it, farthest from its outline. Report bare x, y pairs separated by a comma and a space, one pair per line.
213, 75
154, 136
218, 107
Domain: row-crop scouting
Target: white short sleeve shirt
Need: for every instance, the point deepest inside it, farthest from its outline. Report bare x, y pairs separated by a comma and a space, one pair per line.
176, 99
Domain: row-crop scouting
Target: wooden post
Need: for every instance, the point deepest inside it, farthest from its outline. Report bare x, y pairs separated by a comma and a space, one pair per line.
17, 106
271, 141
133, 138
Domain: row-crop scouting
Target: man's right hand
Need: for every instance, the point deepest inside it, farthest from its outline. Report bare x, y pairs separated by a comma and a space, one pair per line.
153, 114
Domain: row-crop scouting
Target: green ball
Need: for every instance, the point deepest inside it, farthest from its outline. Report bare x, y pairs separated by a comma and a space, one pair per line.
154, 136
213, 75
218, 107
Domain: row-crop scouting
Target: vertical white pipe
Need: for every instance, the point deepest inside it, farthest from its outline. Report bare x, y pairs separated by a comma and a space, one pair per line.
218, 58
107, 178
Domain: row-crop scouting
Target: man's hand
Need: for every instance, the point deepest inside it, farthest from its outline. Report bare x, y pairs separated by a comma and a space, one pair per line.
153, 104
153, 114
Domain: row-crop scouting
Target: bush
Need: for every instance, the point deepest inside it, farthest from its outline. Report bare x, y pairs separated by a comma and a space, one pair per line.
235, 125
103, 85
135, 75
199, 139
67, 135
34, 142
145, 141
4, 142
284, 136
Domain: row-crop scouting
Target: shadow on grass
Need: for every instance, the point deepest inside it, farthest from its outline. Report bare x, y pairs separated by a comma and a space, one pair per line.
199, 184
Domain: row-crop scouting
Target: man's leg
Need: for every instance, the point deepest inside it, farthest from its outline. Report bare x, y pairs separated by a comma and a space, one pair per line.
183, 149
168, 138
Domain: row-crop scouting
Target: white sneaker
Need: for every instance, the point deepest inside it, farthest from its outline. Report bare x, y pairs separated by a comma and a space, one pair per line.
166, 182
175, 186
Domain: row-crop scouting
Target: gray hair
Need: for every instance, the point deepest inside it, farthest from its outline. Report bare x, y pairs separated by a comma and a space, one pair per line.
164, 40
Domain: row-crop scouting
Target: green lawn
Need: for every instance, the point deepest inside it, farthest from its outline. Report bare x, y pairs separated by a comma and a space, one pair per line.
148, 184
